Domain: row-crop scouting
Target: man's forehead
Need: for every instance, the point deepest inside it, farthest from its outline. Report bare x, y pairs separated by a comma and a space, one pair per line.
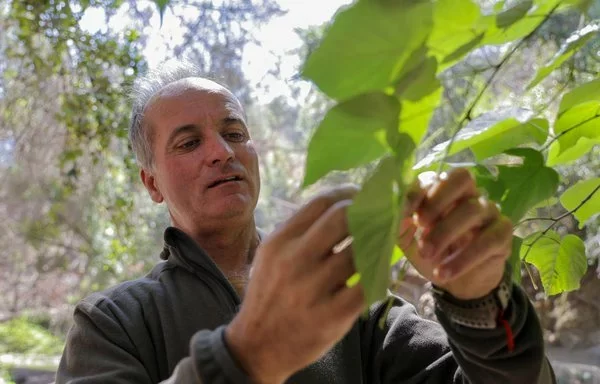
201, 85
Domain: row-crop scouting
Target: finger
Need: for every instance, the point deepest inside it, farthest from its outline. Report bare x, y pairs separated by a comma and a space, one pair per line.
333, 273
415, 195
327, 231
468, 215
347, 302
493, 242
406, 233
441, 197
314, 209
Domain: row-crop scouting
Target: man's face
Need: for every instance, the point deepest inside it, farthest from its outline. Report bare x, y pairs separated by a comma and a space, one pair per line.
205, 165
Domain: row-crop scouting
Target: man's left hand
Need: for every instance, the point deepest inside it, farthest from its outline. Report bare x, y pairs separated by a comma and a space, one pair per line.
464, 240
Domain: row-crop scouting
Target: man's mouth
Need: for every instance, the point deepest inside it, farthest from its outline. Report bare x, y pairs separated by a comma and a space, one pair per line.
224, 180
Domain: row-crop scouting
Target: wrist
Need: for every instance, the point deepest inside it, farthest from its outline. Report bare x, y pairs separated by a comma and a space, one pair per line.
250, 356
478, 312
462, 290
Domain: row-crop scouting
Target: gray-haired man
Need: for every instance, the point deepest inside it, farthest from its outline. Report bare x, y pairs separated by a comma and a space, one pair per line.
198, 317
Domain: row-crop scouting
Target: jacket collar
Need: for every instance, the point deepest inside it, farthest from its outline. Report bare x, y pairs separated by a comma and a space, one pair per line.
183, 251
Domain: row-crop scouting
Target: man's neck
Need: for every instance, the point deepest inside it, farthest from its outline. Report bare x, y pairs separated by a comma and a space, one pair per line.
232, 249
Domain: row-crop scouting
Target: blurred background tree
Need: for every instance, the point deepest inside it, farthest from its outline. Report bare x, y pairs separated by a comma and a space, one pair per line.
75, 217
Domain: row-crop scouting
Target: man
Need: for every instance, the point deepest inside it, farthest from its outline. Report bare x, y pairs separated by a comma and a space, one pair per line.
202, 316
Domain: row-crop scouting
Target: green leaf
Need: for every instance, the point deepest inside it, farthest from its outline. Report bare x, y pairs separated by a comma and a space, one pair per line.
367, 46
420, 81
508, 134
561, 264
585, 93
456, 28
576, 194
578, 116
485, 180
513, 14
416, 115
520, 28
582, 147
487, 136
515, 259
546, 203
373, 221
526, 184
161, 5
463, 50
420, 92
352, 133
570, 46
499, 6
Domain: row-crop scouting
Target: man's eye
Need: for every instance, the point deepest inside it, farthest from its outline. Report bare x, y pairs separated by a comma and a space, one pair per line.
189, 144
236, 137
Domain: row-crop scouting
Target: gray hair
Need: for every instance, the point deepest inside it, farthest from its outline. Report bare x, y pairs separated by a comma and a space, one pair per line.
142, 94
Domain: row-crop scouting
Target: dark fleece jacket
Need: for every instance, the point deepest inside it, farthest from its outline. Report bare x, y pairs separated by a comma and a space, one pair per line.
168, 327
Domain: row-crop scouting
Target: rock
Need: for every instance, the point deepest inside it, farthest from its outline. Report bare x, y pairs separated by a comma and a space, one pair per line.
32, 376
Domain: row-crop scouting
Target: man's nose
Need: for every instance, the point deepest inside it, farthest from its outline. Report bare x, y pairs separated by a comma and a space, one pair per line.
219, 151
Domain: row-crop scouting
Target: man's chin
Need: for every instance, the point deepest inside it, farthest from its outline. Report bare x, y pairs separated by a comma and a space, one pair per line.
238, 207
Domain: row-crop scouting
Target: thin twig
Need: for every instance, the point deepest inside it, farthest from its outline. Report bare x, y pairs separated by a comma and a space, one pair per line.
535, 286
547, 145
534, 219
468, 114
559, 218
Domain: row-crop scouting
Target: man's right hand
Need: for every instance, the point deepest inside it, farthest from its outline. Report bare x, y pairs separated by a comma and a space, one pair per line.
297, 305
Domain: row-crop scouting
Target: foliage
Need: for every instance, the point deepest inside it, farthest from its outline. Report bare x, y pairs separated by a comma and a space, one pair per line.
19, 335
75, 210
367, 51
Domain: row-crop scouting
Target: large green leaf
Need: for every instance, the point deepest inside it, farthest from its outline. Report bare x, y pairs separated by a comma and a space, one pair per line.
488, 183
582, 147
367, 45
575, 195
578, 116
513, 14
488, 136
419, 81
508, 134
498, 33
420, 92
561, 264
352, 133
526, 184
416, 115
373, 219
571, 45
584, 93
456, 26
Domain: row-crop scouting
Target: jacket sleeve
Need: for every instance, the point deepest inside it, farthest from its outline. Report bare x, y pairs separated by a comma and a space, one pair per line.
410, 349
98, 350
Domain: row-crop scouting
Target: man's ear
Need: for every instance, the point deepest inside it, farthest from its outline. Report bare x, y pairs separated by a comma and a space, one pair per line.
151, 186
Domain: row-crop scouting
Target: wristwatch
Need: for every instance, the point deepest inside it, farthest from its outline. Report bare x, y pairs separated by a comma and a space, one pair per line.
481, 313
